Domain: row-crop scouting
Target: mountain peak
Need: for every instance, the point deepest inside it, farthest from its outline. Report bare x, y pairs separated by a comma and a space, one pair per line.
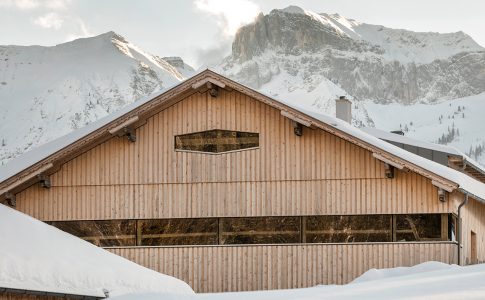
293, 9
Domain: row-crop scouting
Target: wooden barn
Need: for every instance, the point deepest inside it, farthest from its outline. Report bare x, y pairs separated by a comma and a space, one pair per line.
231, 190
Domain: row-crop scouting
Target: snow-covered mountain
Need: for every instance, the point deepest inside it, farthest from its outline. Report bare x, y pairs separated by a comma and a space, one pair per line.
396, 78
46, 92
430, 85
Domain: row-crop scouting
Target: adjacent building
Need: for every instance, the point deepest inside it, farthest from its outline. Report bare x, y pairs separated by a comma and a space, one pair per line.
230, 190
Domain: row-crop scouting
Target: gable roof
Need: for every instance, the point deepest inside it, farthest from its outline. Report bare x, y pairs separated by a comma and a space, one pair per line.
22, 171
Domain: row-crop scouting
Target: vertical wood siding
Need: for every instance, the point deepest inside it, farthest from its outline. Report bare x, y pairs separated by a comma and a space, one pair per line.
317, 173
473, 219
262, 267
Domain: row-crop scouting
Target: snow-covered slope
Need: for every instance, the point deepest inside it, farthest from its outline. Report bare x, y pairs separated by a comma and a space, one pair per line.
312, 58
46, 92
38, 257
457, 122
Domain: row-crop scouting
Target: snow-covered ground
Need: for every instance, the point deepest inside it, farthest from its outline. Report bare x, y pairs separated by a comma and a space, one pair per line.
39, 257
431, 280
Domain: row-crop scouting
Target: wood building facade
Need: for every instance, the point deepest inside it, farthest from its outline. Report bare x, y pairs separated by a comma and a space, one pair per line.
230, 190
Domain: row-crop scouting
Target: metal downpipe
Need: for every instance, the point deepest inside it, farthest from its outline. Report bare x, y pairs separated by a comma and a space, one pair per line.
459, 233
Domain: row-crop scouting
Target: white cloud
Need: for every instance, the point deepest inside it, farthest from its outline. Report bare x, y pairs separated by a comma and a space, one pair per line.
49, 20
33, 4
83, 31
229, 15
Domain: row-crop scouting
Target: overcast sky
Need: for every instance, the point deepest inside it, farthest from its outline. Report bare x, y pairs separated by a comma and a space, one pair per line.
201, 30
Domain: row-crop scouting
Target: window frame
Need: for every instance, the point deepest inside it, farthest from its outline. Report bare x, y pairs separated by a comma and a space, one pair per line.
215, 153
302, 219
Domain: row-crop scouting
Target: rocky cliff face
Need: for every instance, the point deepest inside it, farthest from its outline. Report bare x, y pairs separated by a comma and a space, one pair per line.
426, 84
368, 61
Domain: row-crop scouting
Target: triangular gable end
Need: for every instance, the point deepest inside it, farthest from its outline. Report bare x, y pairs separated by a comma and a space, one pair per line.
15, 178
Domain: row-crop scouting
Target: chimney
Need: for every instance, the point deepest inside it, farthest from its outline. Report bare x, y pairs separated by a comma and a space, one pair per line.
343, 108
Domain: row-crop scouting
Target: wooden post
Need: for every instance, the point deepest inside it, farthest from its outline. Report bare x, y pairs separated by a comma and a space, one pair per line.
394, 227
219, 231
444, 227
303, 229
138, 232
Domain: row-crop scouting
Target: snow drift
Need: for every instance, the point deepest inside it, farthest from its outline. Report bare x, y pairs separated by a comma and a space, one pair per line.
36, 256
430, 280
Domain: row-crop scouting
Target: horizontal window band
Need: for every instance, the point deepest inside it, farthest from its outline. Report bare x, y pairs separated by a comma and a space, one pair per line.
264, 230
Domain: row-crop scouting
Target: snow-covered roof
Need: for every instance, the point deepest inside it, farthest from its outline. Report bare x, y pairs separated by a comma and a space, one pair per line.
463, 181
389, 136
397, 138
35, 256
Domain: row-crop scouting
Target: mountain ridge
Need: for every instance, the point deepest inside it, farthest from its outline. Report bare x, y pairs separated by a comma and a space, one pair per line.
71, 85
291, 54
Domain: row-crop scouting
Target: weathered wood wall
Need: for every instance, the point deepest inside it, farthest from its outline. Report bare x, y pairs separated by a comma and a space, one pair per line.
317, 173
261, 267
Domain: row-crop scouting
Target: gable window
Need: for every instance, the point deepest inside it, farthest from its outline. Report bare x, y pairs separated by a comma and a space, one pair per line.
216, 141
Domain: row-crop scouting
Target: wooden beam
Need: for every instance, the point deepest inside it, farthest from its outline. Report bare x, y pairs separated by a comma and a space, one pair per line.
117, 129
443, 186
388, 161
204, 81
293, 117
26, 178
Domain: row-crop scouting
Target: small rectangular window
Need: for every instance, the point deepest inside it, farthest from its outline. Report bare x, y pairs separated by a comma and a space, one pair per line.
348, 229
216, 141
106, 233
177, 232
418, 227
260, 230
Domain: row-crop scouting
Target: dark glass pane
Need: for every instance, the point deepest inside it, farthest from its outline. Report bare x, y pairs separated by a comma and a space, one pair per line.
216, 141
452, 227
104, 233
260, 230
424, 227
180, 240
348, 237
178, 232
348, 229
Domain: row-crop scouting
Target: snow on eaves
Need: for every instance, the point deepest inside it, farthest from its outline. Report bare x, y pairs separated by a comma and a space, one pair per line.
388, 136
465, 182
35, 256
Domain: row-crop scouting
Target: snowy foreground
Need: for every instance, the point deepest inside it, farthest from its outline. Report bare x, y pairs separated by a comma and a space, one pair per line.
431, 280
38, 257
